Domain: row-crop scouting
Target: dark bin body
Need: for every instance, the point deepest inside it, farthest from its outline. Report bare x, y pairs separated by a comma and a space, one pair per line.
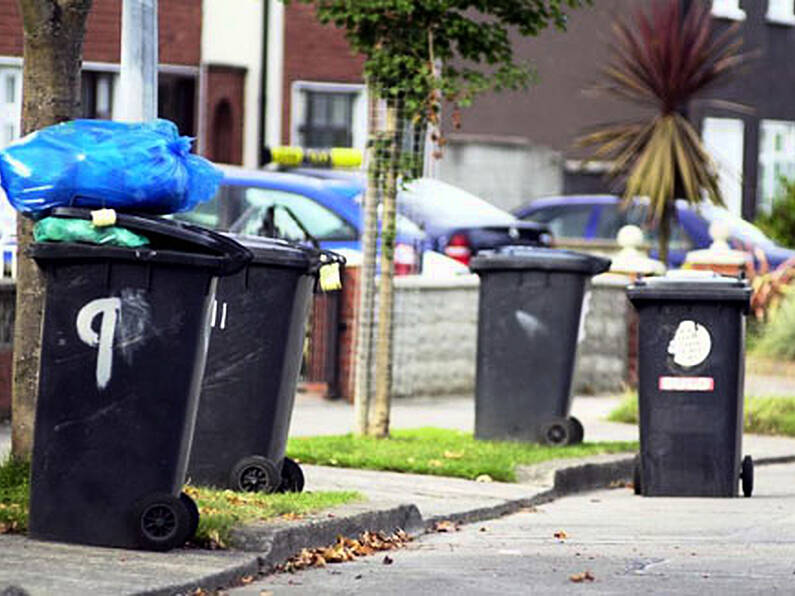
254, 361
691, 390
529, 316
114, 420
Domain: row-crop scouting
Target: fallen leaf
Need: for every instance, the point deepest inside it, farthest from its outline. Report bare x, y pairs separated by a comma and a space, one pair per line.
560, 535
528, 510
265, 593
585, 576
435, 463
484, 478
445, 526
246, 580
388, 560
453, 454
345, 549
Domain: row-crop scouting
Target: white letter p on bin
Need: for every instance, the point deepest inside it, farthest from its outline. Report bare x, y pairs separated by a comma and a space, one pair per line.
103, 341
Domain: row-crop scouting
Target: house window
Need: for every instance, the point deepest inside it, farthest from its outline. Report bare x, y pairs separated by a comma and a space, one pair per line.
776, 159
781, 11
724, 140
728, 9
328, 115
10, 104
97, 94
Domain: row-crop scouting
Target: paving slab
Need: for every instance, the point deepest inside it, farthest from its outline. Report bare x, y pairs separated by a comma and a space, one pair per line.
47, 568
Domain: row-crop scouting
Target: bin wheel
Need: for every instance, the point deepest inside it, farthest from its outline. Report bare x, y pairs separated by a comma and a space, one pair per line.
556, 433
577, 431
193, 514
162, 522
747, 476
637, 483
255, 474
292, 477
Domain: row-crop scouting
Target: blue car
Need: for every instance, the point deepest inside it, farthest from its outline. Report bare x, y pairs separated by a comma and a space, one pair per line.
600, 217
298, 208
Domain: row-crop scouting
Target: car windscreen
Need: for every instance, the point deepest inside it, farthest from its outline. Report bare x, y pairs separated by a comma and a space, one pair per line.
740, 228
321, 222
432, 202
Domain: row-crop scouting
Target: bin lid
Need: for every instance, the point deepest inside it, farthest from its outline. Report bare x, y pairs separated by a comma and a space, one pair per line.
696, 285
171, 241
278, 252
538, 258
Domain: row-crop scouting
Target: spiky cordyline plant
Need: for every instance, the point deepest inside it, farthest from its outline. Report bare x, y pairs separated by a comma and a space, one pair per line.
662, 60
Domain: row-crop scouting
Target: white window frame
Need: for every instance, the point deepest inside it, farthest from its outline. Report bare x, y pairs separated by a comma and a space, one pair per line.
724, 139
781, 12
298, 108
728, 9
10, 112
769, 157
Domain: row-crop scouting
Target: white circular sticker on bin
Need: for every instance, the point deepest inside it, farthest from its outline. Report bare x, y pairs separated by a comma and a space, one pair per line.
691, 344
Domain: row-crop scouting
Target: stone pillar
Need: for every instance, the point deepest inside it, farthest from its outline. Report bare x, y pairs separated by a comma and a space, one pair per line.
720, 257
632, 263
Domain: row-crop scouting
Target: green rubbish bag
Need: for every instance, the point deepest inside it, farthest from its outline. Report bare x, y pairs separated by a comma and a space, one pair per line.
59, 229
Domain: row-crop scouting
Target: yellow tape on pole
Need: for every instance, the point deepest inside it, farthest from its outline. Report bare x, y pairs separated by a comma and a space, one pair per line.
287, 156
337, 157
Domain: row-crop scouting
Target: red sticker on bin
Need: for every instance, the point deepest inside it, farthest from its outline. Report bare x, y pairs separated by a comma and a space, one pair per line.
687, 384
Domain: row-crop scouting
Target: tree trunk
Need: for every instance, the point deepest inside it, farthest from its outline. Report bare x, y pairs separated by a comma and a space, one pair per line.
386, 295
54, 31
364, 325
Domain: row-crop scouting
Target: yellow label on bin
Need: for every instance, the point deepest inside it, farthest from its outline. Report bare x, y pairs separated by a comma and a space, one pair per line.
330, 277
103, 218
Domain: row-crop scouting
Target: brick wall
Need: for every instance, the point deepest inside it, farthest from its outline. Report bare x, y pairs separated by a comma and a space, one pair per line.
179, 35
314, 52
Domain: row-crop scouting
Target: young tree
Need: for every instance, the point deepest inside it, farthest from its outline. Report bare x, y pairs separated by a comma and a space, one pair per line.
663, 61
419, 53
54, 31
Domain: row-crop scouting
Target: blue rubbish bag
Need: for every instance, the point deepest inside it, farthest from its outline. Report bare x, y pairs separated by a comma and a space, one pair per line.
143, 167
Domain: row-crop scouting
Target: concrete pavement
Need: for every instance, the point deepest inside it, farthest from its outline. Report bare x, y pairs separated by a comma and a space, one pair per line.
629, 544
44, 568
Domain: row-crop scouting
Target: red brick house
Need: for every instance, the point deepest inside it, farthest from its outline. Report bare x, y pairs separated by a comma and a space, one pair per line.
315, 94
198, 88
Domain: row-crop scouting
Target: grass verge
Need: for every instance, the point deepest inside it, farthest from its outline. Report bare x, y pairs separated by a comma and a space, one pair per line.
763, 415
221, 510
438, 452
14, 495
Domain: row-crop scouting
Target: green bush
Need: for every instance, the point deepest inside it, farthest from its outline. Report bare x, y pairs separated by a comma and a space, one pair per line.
777, 339
779, 224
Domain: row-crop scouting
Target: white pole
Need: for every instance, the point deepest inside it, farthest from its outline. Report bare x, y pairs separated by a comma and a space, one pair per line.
138, 78
274, 74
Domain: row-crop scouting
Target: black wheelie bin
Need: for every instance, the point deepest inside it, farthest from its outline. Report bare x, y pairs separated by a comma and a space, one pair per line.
528, 322
124, 342
256, 347
691, 366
